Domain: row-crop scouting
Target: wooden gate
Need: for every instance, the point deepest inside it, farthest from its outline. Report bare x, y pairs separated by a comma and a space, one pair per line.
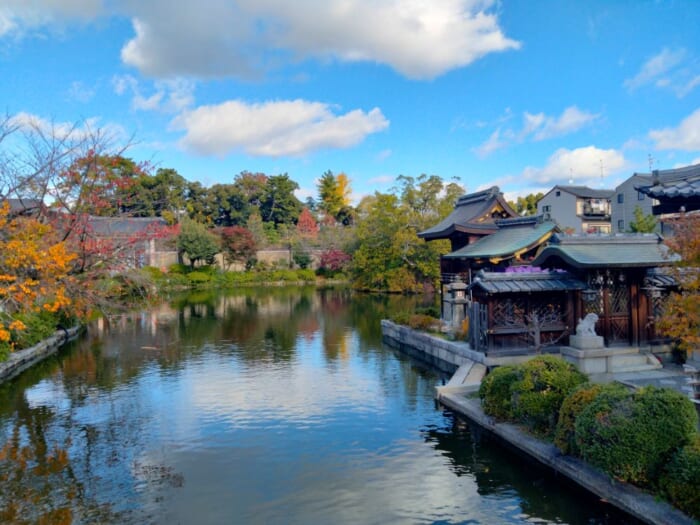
612, 305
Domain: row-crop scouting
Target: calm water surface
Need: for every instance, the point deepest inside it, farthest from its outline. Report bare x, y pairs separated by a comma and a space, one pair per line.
275, 406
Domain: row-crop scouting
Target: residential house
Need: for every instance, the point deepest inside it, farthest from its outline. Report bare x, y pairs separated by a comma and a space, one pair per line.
675, 190
579, 209
627, 198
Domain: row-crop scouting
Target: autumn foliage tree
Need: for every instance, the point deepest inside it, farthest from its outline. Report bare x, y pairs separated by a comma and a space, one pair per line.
34, 274
238, 245
681, 318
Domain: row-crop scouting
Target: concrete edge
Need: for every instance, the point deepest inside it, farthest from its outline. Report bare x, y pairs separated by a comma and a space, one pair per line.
624, 496
18, 362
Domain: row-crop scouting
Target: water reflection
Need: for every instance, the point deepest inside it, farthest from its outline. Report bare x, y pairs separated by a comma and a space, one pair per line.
275, 406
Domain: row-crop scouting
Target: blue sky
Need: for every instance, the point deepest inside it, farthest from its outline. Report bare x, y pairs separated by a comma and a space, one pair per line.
522, 94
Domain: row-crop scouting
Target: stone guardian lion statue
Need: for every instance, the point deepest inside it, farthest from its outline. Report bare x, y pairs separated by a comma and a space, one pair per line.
586, 326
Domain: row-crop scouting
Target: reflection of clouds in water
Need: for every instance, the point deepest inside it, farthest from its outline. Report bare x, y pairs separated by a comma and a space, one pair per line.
48, 393
352, 485
292, 393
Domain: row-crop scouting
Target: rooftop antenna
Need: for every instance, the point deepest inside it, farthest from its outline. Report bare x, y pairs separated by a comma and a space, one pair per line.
652, 161
571, 175
602, 172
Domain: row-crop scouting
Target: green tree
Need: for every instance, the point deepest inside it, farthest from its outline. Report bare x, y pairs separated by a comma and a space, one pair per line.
257, 228
197, 242
642, 223
334, 196
526, 205
388, 255
278, 203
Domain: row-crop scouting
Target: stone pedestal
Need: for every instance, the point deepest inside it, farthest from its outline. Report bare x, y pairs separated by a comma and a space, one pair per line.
586, 342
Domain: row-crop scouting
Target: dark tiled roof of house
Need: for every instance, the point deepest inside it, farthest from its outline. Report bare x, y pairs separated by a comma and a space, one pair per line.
597, 251
468, 209
585, 192
513, 236
124, 226
673, 184
494, 283
22, 205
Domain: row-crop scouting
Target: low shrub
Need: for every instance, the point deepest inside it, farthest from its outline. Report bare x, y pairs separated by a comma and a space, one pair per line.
573, 405
537, 396
197, 277
37, 327
632, 435
178, 268
432, 311
496, 394
681, 479
307, 275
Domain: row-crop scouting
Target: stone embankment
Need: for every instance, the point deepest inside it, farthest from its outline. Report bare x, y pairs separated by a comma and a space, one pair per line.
468, 368
19, 361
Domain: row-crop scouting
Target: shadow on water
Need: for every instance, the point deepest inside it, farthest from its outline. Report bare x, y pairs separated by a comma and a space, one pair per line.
118, 426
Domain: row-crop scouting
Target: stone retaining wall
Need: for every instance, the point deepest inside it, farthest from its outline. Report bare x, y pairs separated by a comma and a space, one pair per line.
19, 361
448, 355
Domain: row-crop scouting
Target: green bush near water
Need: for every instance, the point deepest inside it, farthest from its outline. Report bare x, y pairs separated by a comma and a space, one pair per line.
573, 405
531, 393
632, 435
496, 392
681, 479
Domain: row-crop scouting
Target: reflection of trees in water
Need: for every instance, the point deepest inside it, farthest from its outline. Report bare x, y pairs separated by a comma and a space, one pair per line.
499, 471
39, 479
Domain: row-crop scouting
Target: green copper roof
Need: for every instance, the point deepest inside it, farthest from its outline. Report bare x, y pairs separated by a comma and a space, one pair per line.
506, 242
555, 281
593, 251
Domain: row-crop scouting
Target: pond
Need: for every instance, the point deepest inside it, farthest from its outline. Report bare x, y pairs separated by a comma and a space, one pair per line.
265, 406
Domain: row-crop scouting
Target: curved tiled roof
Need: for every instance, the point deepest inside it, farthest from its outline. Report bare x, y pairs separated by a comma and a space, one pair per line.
676, 183
554, 281
597, 251
468, 209
512, 237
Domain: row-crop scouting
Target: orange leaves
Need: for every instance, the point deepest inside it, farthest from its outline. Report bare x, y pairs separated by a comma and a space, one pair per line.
34, 271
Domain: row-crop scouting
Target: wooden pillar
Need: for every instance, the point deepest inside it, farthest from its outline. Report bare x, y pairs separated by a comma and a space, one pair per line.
634, 313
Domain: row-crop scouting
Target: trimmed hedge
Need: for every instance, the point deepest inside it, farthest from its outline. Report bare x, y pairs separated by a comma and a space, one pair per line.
681, 481
573, 405
544, 384
631, 435
496, 394
531, 393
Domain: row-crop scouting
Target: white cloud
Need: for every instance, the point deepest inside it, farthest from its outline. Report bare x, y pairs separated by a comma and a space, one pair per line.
675, 70
274, 129
538, 127
17, 17
493, 143
654, 68
81, 92
382, 179
582, 165
170, 96
85, 129
684, 137
571, 120
417, 39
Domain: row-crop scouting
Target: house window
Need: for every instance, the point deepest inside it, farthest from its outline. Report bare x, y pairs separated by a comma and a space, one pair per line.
620, 198
620, 225
547, 208
558, 193
640, 196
